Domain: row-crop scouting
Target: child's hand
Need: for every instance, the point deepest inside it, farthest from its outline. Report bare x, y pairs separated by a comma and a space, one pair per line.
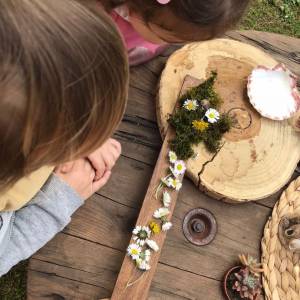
80, 175
104, 158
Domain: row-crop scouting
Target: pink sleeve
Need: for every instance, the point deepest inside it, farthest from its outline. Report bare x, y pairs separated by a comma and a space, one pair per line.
139, 55
139, 50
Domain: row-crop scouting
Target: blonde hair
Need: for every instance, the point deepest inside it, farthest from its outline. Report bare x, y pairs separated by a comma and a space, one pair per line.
63, 83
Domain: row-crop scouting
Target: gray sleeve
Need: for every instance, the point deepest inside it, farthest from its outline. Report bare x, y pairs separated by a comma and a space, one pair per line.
34, 225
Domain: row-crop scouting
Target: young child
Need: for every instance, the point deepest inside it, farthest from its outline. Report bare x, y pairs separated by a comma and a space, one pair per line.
149, 25
63, 89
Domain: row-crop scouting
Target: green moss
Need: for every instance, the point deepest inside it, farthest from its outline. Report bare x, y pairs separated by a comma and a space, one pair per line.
204, 91
182, 120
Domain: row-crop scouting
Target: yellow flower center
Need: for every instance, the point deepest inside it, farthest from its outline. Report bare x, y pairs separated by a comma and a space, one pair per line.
179, 167
154, 227
134, 251
200, 125
190, 105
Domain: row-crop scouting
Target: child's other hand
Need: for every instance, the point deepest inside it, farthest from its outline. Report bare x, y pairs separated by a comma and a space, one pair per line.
104, 158
80, 175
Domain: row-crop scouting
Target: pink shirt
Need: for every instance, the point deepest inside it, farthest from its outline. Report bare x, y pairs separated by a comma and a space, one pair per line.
139, 50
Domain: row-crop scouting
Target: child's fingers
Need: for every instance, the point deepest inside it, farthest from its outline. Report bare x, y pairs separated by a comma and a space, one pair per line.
102, 181
117, 146
98, 164
115, 153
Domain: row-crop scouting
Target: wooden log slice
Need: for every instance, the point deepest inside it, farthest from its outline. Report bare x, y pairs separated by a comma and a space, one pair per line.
258, 156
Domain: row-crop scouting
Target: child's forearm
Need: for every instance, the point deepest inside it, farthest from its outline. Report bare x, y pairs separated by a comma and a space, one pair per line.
34, 225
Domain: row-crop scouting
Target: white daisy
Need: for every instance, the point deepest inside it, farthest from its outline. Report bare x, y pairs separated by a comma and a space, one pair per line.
212, 115
134, 251
166, 199
172, 157
174, 183
142, 265
145, 255
161, 212
190, 104
142, 233
179, 168
166, 226
153, 245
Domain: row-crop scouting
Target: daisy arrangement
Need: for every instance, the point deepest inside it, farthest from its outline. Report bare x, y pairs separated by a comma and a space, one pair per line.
196, 120
143, 244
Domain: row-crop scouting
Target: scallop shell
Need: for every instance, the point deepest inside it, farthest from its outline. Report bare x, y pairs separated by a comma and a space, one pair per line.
273, 92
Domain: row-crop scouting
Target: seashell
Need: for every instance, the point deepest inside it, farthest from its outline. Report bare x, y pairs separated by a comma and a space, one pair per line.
273, 92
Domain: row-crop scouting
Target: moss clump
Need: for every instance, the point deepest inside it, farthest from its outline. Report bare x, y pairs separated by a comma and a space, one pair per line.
188, 123
204, 91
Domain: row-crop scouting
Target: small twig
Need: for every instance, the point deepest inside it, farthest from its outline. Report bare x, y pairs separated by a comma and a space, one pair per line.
129, 284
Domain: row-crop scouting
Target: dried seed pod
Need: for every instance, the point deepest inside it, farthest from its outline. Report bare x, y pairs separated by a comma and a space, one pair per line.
289, 233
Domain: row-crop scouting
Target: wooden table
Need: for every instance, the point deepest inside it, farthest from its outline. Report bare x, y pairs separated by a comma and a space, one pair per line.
83, 261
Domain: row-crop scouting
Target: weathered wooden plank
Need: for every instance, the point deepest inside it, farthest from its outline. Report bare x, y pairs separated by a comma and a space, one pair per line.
56, 281
146, 82
128, 183
43, 286
239, 230
285, 49
136, 131
128, 272
141, 104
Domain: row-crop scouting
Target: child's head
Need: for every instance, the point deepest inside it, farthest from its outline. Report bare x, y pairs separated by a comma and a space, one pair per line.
63, 83
182, 20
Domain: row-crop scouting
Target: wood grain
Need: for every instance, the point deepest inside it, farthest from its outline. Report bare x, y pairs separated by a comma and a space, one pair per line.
258, 156
132, 283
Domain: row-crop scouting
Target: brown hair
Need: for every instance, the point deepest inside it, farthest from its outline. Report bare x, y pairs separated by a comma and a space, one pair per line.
63, 83
213, 17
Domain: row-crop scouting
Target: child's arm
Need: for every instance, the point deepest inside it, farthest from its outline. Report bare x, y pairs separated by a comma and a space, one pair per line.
34, 225
31, 227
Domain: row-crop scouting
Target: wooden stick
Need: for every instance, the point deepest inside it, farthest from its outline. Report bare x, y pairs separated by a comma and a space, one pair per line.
132, 283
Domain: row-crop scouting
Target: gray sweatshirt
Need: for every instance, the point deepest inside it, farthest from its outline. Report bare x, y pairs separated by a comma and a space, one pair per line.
26, 230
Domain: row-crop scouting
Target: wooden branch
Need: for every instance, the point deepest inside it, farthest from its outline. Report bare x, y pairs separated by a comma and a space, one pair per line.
133, 283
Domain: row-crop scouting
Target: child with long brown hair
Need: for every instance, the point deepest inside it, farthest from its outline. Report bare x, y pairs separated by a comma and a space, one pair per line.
63, 89
148, 25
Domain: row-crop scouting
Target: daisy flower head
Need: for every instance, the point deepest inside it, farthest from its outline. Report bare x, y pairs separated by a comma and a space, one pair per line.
172, 157
174, 183
166, 199
190, 104
161, 212
142, 233
212, 115
142, 265
134, 251
152, 245
167, 226
200, 125
145, 255
154, 227
179, 168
